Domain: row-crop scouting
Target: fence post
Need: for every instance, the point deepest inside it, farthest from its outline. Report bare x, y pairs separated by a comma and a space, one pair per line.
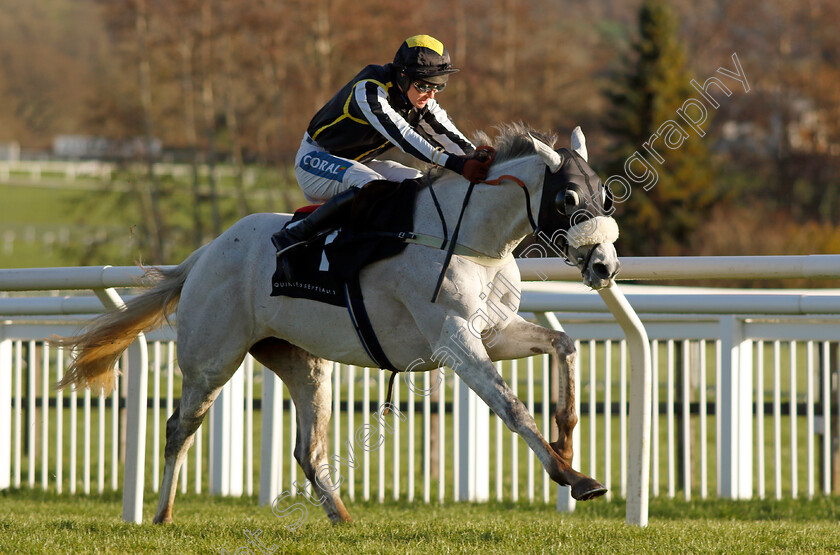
474, 446
565, 502
735, 408
5, 412
135, 421
135, 444
227, 429
833, 356
638, 344
271, 442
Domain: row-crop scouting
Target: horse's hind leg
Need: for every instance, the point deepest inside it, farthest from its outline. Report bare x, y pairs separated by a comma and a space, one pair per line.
308, 380
197, 396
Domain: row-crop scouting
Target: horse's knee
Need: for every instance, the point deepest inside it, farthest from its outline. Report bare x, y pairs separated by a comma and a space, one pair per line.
566, 420
563, 344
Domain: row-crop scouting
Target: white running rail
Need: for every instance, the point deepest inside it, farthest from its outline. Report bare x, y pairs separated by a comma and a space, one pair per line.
102, 280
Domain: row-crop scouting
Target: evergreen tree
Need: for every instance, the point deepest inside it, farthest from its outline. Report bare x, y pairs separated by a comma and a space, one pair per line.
661, 219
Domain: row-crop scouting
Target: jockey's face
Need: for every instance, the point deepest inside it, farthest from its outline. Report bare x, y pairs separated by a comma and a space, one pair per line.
419, 99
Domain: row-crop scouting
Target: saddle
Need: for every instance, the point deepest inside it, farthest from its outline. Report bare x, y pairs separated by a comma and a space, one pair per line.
313, 278
381, 216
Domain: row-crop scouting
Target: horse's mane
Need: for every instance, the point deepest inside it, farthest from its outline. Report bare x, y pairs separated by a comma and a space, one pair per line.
513, 141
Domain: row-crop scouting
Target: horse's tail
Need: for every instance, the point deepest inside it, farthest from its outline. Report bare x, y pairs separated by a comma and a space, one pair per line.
100, 342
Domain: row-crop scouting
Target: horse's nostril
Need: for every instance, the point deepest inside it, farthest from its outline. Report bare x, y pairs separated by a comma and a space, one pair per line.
601, 271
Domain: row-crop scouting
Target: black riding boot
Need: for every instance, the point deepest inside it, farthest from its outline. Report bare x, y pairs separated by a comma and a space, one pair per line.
328, 215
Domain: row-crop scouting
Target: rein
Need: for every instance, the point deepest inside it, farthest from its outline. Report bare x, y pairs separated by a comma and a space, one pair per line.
451, 248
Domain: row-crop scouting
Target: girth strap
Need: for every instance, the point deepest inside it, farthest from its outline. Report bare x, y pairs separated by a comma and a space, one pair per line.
361, 322
364, 329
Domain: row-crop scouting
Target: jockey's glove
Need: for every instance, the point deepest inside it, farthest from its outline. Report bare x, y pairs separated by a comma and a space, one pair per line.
475, 166
483, 153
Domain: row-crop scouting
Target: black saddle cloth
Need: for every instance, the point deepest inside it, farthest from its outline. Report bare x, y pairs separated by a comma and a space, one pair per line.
380, 211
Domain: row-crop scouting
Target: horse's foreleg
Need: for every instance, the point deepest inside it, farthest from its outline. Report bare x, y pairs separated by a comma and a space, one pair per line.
566, 415
520, 339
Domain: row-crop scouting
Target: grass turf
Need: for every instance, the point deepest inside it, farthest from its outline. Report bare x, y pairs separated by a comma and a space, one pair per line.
32, 521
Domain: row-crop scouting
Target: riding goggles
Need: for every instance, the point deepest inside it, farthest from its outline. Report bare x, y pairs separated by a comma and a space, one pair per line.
424, 87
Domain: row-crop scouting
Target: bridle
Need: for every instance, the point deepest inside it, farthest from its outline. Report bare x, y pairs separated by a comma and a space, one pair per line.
555, 186
572, 179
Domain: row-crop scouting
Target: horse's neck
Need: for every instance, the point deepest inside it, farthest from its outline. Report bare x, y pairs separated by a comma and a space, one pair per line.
495, 220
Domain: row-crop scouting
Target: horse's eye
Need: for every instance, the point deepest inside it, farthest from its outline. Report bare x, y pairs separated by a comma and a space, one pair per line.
560, 203
606, 199
572, 198
567, 201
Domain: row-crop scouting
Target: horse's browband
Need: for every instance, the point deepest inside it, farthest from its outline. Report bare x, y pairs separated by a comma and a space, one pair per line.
460, 250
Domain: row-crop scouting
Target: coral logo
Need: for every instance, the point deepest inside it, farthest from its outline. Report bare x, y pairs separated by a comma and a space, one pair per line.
324, 165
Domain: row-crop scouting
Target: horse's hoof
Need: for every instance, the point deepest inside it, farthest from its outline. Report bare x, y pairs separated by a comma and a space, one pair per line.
162, 520
588, 488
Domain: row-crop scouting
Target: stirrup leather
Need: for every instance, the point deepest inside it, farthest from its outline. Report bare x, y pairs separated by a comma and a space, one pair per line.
315, 237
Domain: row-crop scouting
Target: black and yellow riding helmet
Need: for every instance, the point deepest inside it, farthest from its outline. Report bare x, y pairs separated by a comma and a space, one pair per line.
422, 57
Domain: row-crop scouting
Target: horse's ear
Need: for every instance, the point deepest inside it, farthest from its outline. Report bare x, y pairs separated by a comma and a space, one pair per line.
579, 143
551, 158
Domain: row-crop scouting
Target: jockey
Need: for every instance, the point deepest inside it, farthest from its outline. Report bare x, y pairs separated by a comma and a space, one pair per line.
381, 107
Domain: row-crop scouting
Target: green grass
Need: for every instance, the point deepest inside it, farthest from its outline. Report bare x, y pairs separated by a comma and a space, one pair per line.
37, 206
38, 522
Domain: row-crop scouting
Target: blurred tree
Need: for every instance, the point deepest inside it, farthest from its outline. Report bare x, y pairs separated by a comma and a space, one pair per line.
644, 100
227, 81
46, 67
179, 26
129, 25
150, 187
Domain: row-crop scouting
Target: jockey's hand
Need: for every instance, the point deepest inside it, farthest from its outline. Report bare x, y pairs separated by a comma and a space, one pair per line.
477, 164
483, 153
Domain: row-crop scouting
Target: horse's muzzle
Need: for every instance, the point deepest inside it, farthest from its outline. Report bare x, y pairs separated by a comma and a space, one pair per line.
602, 267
